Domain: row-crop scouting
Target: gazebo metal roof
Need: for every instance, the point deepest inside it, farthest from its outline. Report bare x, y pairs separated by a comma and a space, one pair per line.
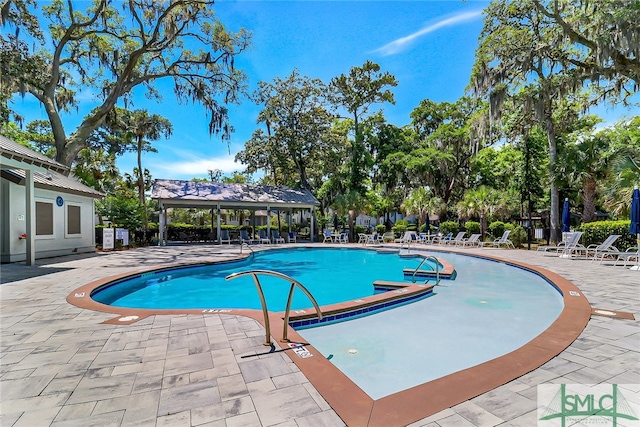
197, 194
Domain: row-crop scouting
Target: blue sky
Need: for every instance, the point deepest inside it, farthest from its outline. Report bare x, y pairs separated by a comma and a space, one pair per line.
427, 45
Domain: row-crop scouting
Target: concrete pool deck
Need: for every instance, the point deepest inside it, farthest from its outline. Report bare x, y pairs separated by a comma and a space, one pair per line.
60, 365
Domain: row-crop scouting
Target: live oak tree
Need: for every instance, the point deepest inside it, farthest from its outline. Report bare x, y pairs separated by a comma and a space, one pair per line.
555, 48
300, 141
604, 41
114, 49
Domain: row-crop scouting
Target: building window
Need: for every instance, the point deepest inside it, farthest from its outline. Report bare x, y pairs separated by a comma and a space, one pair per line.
44, 219
73, 219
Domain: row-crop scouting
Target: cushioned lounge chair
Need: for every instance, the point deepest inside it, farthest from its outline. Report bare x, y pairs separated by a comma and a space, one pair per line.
244, 237
276, 237
263, 238
224, 237
456, 240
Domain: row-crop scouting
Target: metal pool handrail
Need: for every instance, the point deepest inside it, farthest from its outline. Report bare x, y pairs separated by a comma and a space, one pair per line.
424, 258
243, 244
265, 312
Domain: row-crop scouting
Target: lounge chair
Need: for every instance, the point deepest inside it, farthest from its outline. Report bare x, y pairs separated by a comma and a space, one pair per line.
630, 254
292, 237
473, 240
504, 240
276, 237
224, 237
557, 248
263, 238
456, 240
244, 237
440, 239
405, 238
606, 246
572, 246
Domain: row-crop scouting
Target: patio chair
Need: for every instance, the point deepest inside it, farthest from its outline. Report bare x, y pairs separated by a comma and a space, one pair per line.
244, 237
473, 240
440, 239
276, 237
375, 239
224, 236
456, 240
504, 240
606, 246
328, 236
292, 237
342, 238
263, 238
405, 238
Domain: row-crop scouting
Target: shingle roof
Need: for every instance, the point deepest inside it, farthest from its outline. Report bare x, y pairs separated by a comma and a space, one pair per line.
13, 150
230, 194
53, 180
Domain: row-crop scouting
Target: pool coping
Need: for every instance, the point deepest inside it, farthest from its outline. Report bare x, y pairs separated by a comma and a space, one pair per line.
351, 403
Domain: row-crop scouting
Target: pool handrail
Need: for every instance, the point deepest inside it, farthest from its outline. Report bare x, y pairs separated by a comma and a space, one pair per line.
265, 311
425, 258
242, 245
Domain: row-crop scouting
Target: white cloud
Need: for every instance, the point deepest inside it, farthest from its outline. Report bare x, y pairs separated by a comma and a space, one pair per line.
402, 43
196, 167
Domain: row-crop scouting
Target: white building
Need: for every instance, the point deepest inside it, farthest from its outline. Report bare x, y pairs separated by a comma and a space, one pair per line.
43, 213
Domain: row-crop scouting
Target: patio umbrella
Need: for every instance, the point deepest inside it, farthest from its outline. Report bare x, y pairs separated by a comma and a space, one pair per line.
566, 217
335, 221
635, 222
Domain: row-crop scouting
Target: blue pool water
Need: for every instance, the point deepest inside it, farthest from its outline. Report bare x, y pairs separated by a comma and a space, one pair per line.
490, 310
331, 275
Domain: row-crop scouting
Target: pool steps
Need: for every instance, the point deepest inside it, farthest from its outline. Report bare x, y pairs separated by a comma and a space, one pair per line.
397, 293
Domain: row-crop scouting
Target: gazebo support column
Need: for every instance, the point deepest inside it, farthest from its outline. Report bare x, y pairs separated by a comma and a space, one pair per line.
30, 217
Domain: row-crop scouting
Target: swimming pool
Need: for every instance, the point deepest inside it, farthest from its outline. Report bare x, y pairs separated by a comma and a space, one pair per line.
348, 398
331, 275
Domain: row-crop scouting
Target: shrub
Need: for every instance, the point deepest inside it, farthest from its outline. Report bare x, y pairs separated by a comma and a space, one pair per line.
597, 232
496, 228
381, 228
400, 226
472, 227
359, 229
449, 227
518, 236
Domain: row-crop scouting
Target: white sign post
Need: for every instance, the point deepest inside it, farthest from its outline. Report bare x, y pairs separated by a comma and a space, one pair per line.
108, 235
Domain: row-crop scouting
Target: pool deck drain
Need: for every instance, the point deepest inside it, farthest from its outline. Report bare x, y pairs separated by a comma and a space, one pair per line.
61, 366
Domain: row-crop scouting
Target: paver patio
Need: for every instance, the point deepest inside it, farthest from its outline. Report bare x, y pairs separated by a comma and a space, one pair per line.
61, 366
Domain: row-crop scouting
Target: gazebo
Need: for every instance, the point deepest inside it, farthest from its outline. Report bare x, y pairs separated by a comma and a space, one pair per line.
218, 196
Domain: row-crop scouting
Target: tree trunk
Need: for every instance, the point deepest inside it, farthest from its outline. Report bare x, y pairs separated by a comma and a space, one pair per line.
589, 200
145, 221
556, 234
